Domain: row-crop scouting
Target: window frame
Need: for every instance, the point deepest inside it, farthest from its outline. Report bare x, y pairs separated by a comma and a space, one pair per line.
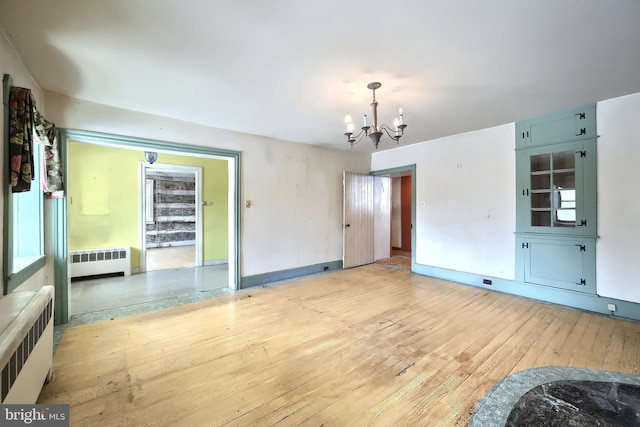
11, 279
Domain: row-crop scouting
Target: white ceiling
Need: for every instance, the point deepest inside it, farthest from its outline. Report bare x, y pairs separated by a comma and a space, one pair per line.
292, 69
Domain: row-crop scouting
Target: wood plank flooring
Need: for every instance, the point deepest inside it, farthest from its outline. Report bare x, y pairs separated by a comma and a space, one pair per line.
374, 346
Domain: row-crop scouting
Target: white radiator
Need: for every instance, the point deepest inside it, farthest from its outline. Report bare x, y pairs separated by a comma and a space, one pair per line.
90, 262
26, 344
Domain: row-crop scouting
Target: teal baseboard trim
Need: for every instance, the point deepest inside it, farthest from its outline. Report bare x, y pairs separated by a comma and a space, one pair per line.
588, 302
276, 276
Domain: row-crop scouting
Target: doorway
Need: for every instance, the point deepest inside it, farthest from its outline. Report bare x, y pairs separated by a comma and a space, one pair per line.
60, 207
170, 216
402, 241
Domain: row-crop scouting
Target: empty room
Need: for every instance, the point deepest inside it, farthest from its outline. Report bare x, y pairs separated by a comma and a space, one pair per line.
320, 213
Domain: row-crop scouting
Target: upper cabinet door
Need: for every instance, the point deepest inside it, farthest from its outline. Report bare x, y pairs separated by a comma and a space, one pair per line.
556, 189
568, 125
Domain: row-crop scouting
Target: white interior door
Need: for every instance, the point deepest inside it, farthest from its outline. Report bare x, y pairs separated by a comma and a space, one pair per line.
366, 219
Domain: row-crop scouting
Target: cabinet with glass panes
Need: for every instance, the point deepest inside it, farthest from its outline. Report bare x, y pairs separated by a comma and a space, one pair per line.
556, 200
553, 189
556, 189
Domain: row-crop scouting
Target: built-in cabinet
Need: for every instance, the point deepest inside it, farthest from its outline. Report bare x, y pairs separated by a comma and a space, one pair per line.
556, 199
562, 126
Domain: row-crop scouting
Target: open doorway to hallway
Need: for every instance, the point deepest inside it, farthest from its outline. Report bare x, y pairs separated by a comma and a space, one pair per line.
401, 220
170, 216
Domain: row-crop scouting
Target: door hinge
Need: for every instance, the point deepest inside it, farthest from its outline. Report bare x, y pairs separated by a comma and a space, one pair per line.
582, 115
583, 131
582, 153
525, 133
525, 246
583, 248
583, 282
525, 192
583, 223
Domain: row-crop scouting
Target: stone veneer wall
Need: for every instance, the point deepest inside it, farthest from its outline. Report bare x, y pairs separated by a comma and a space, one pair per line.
173, 210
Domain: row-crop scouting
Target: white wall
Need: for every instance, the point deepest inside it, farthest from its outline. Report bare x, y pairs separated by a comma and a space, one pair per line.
11, 64
296, 189
295, 218
465, 200
618, 246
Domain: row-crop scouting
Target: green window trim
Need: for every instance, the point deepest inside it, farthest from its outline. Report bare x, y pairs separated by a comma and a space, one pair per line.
13, 279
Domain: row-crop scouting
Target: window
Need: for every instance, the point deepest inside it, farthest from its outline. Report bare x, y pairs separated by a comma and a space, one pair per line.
23, 237
26, 220
25, 211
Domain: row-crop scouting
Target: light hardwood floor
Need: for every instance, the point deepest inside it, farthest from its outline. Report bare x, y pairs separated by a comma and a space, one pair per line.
368, 346
171, 257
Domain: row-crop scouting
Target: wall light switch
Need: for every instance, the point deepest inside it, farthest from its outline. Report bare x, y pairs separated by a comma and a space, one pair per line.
612, 307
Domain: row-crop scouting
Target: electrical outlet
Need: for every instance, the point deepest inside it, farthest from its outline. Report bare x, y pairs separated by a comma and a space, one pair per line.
611, 307
486, 281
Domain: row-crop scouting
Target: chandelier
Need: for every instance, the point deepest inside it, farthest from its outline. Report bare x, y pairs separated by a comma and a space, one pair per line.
375, 131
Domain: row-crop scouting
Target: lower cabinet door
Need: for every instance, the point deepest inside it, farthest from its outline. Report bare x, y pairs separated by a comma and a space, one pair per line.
560, 262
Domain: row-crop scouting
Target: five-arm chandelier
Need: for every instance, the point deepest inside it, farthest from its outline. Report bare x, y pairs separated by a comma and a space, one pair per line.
375, 131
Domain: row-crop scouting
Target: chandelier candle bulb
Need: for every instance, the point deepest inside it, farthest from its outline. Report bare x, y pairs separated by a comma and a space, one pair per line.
347, 121
365, 120
396, 123
401, 116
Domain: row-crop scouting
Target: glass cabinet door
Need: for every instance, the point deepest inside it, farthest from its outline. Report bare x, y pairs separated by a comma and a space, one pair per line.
551, 189
540, 184
564, 188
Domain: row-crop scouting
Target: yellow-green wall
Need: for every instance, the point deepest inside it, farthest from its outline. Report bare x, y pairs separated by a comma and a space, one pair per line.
104, 201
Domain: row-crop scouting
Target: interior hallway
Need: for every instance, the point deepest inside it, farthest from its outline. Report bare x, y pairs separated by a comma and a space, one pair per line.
400, 259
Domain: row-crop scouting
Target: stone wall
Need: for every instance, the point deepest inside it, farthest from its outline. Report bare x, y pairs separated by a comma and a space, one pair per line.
174, 210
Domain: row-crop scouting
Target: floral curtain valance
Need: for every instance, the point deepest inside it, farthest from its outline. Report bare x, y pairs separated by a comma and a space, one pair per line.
24, 120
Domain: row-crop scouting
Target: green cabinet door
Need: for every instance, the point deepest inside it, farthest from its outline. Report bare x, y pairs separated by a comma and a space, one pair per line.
555, 189
558, 262
568, 125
